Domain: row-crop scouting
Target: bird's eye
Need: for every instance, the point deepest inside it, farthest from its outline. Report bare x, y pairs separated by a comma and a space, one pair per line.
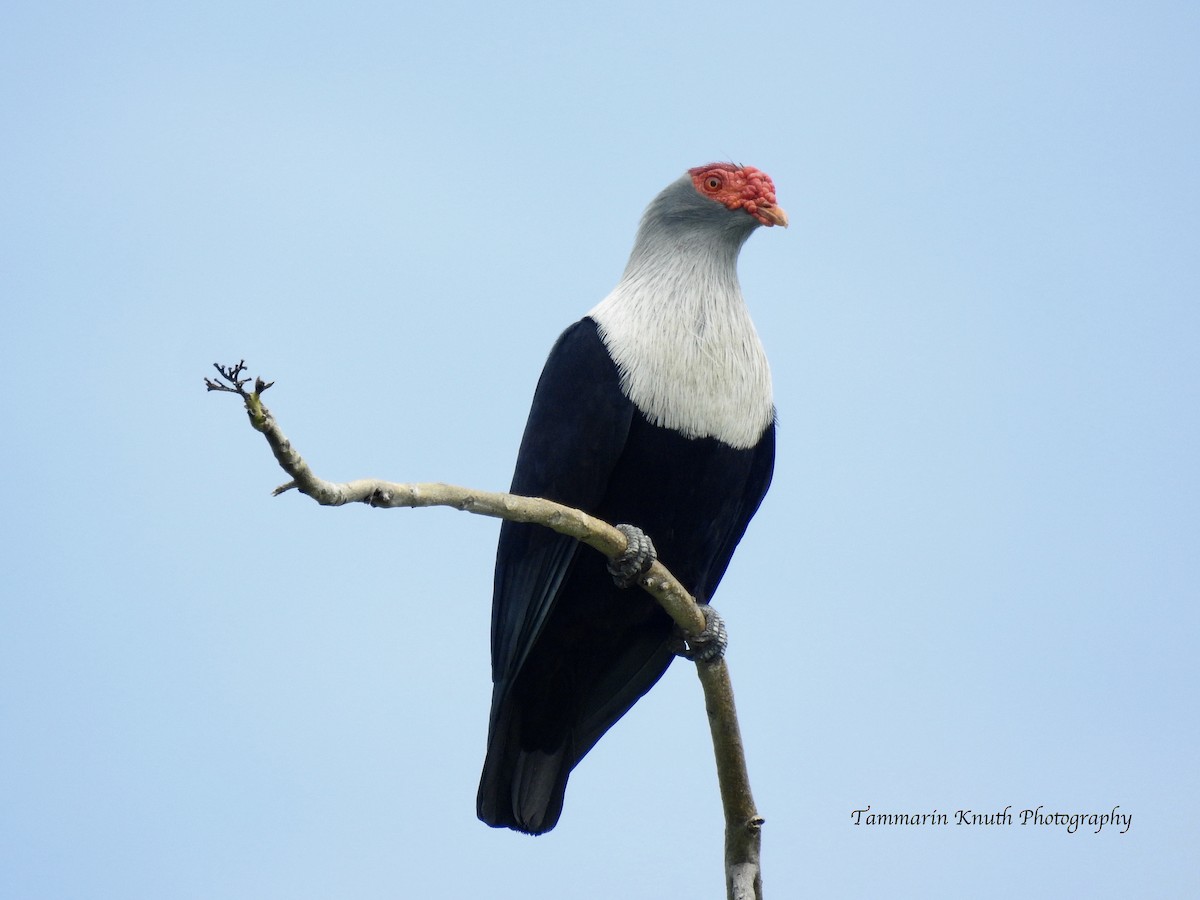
712, 183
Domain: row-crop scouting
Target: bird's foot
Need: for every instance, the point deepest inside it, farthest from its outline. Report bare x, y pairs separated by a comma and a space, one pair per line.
709, 645
637, 559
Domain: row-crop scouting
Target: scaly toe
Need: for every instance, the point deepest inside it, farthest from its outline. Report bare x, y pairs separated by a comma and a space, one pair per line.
710, 644
637, 559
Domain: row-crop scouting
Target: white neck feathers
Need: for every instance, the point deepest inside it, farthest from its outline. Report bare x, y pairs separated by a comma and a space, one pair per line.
680, 334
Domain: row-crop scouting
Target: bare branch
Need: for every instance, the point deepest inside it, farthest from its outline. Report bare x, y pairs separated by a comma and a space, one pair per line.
229, 379
743, 825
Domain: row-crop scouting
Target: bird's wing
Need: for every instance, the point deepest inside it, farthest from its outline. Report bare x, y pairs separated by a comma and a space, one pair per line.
758, 480
575, 434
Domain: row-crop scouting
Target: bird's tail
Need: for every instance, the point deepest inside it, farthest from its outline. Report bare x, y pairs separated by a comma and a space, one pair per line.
521, 789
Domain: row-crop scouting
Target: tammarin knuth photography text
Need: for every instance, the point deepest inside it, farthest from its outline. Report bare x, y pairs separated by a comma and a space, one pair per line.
1073, 821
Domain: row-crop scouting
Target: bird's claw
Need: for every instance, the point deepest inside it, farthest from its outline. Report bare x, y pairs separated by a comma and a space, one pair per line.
709, 645
637, 559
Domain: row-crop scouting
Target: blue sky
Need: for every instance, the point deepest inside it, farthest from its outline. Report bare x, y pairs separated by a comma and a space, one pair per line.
972, 585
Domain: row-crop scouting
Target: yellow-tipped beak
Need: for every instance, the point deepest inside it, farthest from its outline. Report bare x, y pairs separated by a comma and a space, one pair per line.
770, 214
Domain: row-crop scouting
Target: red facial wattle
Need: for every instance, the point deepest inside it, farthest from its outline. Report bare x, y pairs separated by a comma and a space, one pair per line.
740, 187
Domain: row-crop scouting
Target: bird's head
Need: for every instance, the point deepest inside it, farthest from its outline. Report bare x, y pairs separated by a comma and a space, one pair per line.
740, 188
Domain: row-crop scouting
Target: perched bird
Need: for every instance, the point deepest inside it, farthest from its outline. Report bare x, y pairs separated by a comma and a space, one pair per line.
653, 410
